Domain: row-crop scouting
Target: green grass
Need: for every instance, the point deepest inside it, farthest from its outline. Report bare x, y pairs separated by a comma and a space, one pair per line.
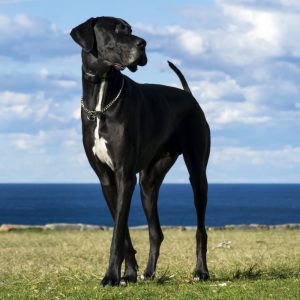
244, 264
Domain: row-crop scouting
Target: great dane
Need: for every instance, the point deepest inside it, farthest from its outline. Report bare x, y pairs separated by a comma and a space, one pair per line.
131, 128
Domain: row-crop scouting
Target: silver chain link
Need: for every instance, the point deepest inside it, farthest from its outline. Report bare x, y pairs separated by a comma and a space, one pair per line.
92, 114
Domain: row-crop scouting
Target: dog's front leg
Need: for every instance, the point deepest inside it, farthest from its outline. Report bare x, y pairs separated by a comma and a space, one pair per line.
126, 184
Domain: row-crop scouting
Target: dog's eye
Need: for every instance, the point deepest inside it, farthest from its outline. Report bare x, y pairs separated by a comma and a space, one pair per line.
120, 28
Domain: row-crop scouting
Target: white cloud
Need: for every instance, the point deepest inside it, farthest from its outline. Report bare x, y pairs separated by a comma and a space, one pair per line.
44, 156
43, 141
67, 84
44, 73
244, 68
252, 36
192, 42
33, 143
225, 101
260, 32
216, 90
265, 4
54, 84
246, 165
286, 157
76, 114
220, 113
36, 107
12, 1
240, 58
27, 38
243, 34
19, 26
188, 41
14, 106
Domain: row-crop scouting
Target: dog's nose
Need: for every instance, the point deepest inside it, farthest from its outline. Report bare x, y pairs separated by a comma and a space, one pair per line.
140, 43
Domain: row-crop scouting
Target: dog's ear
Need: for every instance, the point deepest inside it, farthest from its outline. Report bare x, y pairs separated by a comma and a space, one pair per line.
83, 34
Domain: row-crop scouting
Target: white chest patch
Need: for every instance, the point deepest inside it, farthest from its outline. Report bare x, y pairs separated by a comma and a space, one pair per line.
99, 148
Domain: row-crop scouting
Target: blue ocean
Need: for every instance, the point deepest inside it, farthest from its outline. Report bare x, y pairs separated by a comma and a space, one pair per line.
39, 204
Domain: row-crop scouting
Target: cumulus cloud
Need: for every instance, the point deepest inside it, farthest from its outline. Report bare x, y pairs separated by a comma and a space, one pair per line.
241, 60
185, 40
265, 4
44, 156
31, 39
45, 141
261, 32
14, 106
248, 164
233, 164
286, 157
12, 1
29, 111
222, 113
58, 84
244, 35
33, 143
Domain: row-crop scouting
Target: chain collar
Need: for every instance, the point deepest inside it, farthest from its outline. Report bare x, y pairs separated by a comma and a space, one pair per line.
93, 114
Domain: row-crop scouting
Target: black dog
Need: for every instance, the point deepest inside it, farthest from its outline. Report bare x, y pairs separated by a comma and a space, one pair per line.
130, 128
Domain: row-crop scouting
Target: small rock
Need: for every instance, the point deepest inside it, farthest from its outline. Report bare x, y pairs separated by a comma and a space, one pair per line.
222, 284
224, 244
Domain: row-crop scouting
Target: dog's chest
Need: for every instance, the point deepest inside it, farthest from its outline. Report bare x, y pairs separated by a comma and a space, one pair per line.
99, 148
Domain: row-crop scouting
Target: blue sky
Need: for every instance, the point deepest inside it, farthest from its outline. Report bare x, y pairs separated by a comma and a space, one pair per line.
241, 59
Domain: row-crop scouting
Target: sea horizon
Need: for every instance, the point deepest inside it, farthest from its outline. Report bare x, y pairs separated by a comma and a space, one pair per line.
44, 203
175, 183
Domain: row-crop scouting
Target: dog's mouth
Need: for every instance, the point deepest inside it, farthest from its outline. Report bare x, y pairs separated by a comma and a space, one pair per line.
118, 66
130, 57
141, 60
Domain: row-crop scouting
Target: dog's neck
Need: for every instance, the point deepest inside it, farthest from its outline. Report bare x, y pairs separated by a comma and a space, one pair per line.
97, 77
101, 84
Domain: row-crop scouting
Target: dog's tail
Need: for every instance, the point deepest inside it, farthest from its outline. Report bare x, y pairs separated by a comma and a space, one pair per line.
181, 77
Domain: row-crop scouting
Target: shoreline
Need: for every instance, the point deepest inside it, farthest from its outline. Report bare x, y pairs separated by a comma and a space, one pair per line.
89, 227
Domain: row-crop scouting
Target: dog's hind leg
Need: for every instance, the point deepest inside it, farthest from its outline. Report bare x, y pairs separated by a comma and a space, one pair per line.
195, 154
200, 187
150, 181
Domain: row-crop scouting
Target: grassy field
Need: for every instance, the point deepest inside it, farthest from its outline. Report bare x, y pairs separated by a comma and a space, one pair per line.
244, 264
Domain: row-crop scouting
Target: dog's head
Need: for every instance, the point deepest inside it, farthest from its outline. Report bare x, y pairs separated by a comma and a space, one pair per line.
110, 40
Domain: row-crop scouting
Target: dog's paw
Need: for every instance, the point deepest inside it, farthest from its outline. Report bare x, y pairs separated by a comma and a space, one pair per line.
130, 273
148, 275
201, 276
130, 277
110, 279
